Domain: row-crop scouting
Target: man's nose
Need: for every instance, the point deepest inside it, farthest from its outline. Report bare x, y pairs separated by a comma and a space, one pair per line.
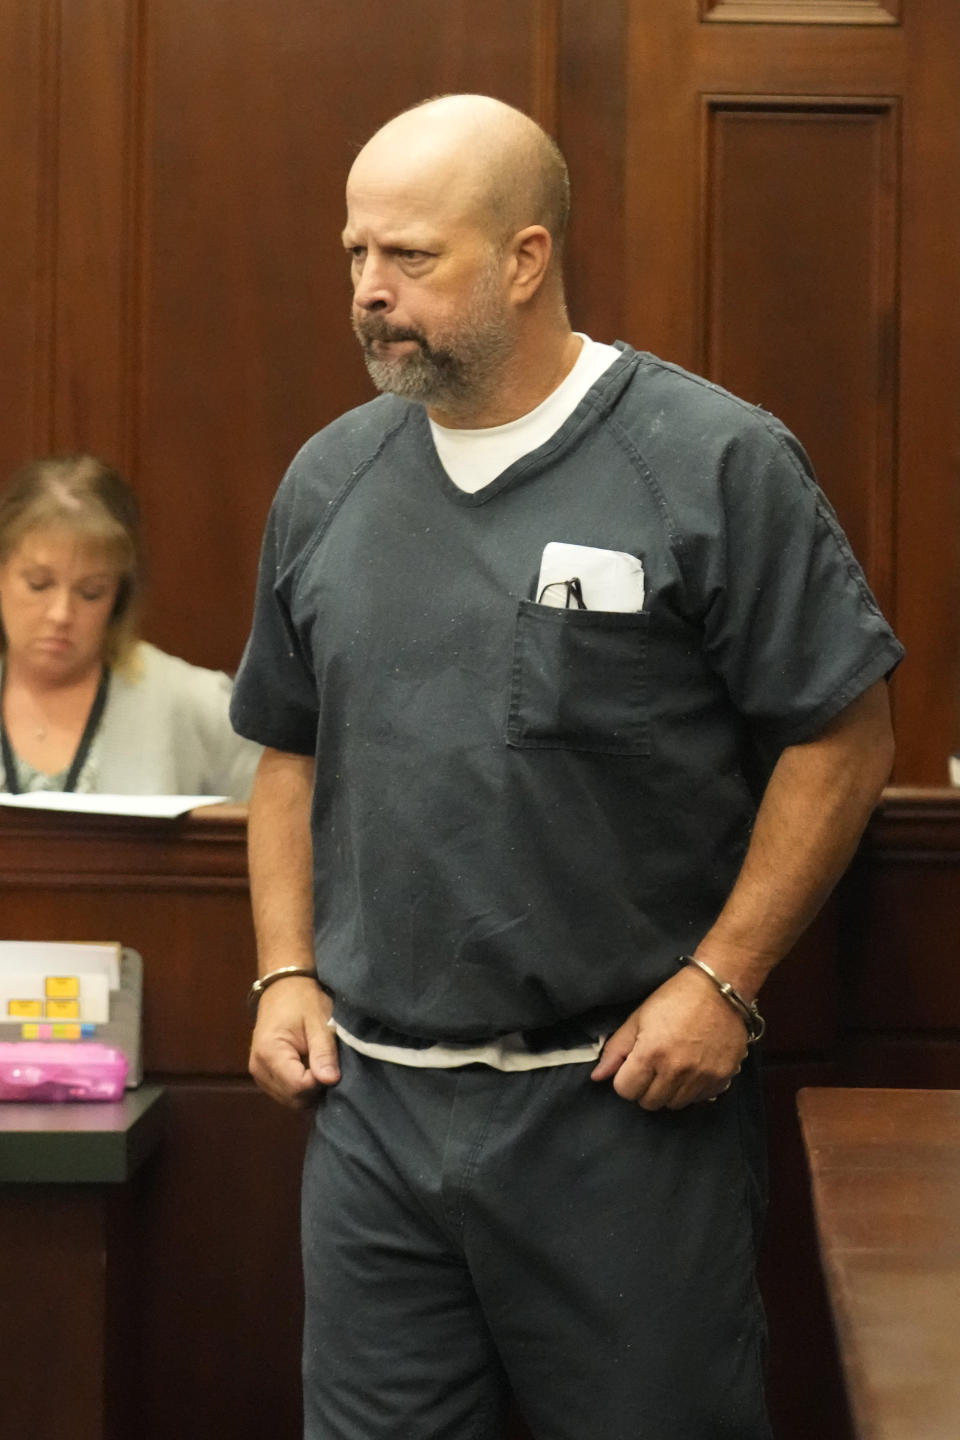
371, 288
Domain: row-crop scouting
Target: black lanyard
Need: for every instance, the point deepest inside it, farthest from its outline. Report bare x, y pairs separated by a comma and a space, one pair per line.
83, 749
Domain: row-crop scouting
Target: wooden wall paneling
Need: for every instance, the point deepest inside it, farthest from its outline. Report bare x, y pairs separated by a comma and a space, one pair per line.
910, 1062
801, 12
800, 313
249, 129
660, 265
64, 270
71, 1357
95, 257
841, 60
28, 67
591, 130
800, 1001
908, 976
928, 518
67, 1226
900, 974
222, 1302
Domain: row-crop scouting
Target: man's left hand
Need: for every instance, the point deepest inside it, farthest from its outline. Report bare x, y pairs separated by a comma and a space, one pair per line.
684, 1044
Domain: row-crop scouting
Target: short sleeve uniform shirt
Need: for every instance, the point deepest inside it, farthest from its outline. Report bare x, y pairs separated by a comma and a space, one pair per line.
524, 813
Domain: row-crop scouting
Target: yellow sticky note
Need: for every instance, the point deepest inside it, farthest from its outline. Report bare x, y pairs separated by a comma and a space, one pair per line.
20, 1009
29, 1032
63, 1009
62, 987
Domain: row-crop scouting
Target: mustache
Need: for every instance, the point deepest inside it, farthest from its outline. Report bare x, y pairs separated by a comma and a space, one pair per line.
373, 327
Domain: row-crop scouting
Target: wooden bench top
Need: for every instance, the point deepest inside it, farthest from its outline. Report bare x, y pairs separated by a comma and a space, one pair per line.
885, 1169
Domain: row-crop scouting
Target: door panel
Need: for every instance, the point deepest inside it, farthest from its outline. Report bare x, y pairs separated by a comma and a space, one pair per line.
792, 205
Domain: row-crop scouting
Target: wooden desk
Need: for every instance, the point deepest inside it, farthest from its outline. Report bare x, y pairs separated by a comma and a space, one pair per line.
70, 1292
885, 1167
80, 1144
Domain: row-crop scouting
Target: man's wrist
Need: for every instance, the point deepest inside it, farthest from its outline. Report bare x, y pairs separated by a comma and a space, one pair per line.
753, 1021
282, 972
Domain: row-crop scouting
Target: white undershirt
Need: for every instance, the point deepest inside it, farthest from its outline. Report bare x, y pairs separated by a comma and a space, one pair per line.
508, 1052
472, 458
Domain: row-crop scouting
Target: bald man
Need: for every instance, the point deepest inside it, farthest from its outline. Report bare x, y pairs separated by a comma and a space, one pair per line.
574, 704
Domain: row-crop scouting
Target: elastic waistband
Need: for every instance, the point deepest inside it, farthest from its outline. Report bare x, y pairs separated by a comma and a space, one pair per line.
574, 1033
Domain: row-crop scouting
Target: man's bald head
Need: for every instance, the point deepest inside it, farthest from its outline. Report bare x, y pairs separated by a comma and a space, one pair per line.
503, 167
455, 214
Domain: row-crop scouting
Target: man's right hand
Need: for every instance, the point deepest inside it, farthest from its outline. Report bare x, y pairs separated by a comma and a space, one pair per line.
293, 1053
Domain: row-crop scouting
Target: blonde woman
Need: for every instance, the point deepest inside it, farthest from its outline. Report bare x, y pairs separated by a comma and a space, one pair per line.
84, 704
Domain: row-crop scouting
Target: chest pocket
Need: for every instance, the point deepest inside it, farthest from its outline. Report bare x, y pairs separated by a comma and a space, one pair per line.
579, 681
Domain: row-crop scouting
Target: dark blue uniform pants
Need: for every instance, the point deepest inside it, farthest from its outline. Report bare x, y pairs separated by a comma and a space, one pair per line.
467, 1233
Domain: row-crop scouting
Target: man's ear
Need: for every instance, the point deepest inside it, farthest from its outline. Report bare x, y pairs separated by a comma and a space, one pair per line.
530, 251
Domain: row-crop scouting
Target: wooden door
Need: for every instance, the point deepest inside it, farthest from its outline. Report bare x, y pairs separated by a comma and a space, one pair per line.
774, 185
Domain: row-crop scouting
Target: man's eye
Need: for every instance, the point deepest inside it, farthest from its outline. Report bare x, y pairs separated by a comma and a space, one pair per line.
357, 252
92, 594
38, 585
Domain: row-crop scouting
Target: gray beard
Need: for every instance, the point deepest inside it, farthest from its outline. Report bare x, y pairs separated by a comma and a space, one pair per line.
456, 378
427, 376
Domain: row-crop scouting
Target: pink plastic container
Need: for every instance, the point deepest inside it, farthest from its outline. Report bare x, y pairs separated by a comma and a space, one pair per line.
58, 1070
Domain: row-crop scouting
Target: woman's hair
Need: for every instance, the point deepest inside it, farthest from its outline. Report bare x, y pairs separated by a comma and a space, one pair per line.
89, 497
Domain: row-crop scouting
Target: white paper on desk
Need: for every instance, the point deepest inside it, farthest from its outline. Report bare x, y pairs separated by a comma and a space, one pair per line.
162, 807
61, 957
609, 579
